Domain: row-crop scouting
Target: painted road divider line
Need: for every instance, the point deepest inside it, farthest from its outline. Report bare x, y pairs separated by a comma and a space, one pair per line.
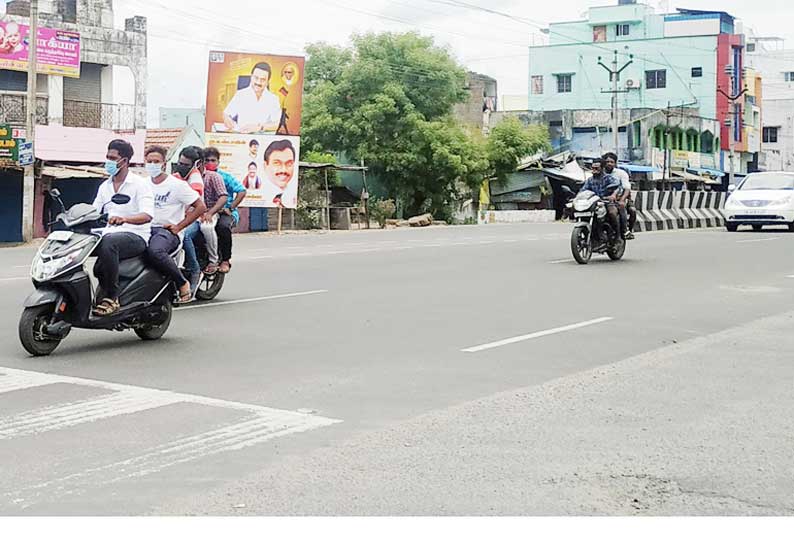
759, 240
250, 300
536, 335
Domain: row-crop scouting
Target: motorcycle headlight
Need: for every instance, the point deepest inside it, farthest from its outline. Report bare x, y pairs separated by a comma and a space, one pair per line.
601, 212
42, 270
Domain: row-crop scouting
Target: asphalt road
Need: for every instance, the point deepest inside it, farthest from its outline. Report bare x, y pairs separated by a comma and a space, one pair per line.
465, 370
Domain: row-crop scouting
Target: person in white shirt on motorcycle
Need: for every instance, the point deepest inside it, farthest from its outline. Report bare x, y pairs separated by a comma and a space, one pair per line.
628, 214
128, 230
172, 198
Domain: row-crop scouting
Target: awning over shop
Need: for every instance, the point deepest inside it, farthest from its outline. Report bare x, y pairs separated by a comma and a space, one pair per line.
635, 168
73, 172
694, 178
708, 171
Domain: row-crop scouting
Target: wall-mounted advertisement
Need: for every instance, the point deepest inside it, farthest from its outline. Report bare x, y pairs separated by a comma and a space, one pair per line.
57, 53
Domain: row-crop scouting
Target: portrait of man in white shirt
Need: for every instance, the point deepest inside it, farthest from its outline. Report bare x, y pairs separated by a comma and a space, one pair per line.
254, 109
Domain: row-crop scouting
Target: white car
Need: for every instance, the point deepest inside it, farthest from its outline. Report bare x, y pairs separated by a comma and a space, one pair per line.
762, 199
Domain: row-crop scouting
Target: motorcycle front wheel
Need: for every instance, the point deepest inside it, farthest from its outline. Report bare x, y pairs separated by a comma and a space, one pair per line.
580, 246
31, 331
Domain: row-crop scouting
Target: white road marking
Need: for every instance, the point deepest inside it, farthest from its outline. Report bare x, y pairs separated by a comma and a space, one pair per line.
259, 424
760, 240
790, 277
567, 260
250, 300
536, 335
22, 266
62, 416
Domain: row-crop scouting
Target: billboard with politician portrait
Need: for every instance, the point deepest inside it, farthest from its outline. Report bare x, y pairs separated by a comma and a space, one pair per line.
251, 93
265, 164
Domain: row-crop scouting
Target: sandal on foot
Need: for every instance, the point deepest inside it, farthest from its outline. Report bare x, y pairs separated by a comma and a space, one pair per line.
225, 267
106, 307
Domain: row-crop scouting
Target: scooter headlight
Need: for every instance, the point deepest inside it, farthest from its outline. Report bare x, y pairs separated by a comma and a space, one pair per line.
45, 269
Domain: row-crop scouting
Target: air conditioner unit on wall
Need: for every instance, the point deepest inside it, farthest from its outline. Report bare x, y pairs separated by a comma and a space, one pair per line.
631, 84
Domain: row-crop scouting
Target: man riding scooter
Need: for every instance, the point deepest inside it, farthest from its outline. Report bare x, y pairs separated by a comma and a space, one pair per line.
128, 230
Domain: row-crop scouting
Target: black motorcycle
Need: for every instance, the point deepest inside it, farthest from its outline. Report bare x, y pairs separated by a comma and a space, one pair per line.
64, 297
592, 231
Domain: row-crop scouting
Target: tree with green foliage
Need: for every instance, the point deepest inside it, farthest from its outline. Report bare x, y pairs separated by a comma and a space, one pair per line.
510, 142
390, 105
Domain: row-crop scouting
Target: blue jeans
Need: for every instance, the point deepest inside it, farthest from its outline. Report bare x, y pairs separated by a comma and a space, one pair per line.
191, 259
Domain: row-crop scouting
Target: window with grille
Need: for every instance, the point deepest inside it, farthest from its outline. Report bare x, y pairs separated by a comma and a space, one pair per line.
622, 30
770, 134
789, 76
537, 84
564, 83
656, 79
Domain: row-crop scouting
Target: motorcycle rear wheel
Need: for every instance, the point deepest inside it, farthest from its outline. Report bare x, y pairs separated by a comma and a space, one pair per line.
581, 248
31, 331
154, 331
617, 250
210, 286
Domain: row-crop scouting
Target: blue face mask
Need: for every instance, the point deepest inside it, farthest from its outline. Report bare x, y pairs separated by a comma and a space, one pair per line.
111, 167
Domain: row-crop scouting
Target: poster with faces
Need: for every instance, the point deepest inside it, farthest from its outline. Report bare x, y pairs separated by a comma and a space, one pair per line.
266, 165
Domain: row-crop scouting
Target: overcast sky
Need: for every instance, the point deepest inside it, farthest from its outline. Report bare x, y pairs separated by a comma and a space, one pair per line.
181, 33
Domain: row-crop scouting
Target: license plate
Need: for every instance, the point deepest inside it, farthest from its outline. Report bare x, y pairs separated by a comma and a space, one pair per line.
60, 235
756, 212
582, 215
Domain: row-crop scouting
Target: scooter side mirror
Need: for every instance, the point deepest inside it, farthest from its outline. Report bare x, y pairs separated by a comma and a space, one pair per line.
55, 193
120, 199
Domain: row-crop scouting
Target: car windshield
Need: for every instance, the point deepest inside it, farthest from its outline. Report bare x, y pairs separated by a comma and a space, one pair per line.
768, 182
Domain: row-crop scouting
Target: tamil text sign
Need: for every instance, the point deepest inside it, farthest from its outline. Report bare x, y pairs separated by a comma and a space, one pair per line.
57, 51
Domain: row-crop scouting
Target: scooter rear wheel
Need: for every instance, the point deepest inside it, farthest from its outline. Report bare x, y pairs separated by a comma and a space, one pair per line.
154, 331
31, 331
210, 286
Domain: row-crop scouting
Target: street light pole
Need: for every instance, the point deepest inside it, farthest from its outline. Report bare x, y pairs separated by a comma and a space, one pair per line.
731, 122
614, 77
29, 183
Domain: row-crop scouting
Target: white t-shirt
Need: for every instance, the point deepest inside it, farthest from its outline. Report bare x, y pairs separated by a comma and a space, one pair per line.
623, 177
141, 201
172, 197
250, 110
289, 196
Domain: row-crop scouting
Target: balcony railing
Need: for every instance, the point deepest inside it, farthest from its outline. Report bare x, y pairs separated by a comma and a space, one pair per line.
98, 115
13, 109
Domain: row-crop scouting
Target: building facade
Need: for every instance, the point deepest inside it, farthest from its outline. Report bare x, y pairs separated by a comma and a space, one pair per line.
111, 60
675, 61
775, 64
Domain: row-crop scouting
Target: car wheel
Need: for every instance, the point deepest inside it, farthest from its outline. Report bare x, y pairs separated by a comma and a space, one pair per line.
757, 227
731, 226
791, 227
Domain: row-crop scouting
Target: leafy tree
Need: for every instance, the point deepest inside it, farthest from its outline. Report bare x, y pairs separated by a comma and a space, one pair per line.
510, 141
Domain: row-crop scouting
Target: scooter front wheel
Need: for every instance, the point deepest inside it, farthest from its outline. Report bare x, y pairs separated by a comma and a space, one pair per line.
32, 332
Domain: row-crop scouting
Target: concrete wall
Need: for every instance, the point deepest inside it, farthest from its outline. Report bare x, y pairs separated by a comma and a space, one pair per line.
471, 111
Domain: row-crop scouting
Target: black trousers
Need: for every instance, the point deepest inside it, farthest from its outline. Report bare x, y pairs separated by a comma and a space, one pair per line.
224, 231
161, 244
113, 248
628, 216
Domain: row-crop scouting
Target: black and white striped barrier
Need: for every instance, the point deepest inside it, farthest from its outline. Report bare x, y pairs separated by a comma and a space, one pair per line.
673, 210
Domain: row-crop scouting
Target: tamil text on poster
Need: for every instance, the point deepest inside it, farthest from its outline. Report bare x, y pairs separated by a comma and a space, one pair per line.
57, 51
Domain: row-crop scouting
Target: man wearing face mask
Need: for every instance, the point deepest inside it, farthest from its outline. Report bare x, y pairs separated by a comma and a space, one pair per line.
128, 227
172, 197
215, 197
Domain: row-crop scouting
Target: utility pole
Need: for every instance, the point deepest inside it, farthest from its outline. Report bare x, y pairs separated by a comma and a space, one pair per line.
614, 77
731, 122
666, 144
29, 183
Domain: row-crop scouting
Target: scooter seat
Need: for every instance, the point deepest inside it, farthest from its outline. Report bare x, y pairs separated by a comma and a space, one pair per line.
131, 267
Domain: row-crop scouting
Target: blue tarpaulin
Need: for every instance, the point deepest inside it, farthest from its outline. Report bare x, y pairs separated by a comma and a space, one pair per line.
634, 168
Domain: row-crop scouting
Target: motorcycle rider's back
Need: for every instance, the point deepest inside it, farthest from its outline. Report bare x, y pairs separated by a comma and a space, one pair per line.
605, 186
